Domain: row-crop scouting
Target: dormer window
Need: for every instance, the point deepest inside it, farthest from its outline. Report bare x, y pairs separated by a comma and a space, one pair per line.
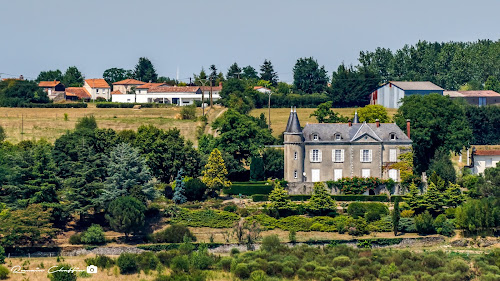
393, 136
315, 137
338, 137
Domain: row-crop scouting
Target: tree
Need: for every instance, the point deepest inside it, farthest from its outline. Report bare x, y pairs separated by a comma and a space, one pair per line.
321, 203
50, 75
492, 83
256, 168
308, 77
274, 161
267, 73
249, 73
352, 87
279, 199
425, 223
396, 216
86, 123
15, 93
443, 167
73, 77
372, 112
325, 115
233, 72
126, 214
3, 136
114, 74
126, 169
145, 71
194, 189
94, 235
201, 79
180, 189
484, 122
433, 199
215, 172
437, 123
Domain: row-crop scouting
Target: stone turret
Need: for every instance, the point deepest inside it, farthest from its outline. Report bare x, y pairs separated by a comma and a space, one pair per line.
294, 148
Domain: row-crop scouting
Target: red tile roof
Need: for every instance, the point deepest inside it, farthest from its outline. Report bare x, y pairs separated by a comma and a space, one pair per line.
150, 85
116, 93
79, 92
487, 152
97, 83
174, 89
48, 84
486, 93
129, 82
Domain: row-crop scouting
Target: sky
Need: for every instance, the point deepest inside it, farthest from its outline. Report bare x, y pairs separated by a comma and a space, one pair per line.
187, 35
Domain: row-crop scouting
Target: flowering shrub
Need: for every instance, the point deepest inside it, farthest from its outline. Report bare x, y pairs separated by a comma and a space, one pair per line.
355, 185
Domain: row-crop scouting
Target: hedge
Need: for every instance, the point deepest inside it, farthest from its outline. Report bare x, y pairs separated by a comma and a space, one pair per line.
54, 105
172, 246
372, 198
206, 218
129, 105
249, 188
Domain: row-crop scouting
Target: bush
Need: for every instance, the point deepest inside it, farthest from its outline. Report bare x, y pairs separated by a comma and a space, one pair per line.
230, 207
356, 209
258, 275
407, 225
241, 271
425, 224
355, 185
180, 264
234, 252
94, 235
4, 272
100, 261
271, 243
341, 261
76, 239
62, 275
194, 189
2, 255
407, 213
188, 112
166, 257
55, 105
147, 261
175, 233
127, 263
225, 263
206, 218
249, 188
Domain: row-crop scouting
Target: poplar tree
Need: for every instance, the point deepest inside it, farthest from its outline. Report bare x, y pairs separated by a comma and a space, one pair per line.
396, 216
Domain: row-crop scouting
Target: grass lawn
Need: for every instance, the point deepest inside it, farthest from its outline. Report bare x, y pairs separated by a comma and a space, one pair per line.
279, 116
49, 123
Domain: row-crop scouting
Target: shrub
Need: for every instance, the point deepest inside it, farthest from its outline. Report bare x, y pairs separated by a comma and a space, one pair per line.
258, 275
249, 188
230, 207
271, 243
94, 235
100, 261
4, 272
147, 261
180, 264
341, 261
355, 185
407, 213
175, 233
2, 255
225, 263
188, 112
425, 224
287, 272
75, 239
166, 257
407, 225
241, 271
234, 251
206, 218
62, 275
356, 209
296, 223
127, 263
194, 189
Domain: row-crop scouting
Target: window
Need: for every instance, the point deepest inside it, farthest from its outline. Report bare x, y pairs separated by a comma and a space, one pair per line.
97, 91
393, 174
337, 174
365, 155
315, 155
315, 175
338, 137
295, 155
393, 136
295, 175
392, 155
338, 155
315, 137
365, 173
482, 101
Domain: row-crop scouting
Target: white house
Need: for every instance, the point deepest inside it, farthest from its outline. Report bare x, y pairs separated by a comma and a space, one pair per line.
390, 94
483, 159
165, 94
261, 89
97, 88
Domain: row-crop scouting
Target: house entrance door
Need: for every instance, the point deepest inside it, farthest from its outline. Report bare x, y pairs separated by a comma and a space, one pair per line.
315, 175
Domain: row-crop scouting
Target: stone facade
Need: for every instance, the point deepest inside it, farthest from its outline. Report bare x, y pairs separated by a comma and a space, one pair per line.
324, 152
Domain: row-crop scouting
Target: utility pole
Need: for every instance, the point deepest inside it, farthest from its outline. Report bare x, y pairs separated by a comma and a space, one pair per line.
269, 108
211, 100
22, 127
203, 81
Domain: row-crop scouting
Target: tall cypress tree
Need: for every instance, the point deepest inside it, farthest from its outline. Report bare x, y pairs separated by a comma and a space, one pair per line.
396, 216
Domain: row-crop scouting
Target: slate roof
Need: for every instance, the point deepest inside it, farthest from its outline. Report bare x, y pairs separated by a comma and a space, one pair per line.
327, 131
416, 85
97, 83
293, 124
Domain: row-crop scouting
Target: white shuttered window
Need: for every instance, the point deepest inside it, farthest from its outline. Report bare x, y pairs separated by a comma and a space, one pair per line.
337, 174
393, 174
365, 173
365, 155
392, 155
338, 155
315, 155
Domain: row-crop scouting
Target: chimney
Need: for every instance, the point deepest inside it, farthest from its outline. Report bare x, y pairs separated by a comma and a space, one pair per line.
350, 123
408, 127
377, 122
220, 84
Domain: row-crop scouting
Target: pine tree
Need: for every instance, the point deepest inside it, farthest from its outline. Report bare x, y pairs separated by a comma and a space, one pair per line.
453, 195
396, 216
433, 199
414, 198
321, 203
256, 169
180, 189
215, 172
279, 198
126, 169
145, 71
267, 73
234, 71
126, 214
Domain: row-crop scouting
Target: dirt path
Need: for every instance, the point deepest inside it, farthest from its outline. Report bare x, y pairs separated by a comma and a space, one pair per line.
211, 118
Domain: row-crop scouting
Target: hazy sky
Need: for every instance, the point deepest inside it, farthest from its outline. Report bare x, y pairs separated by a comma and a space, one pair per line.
96, 35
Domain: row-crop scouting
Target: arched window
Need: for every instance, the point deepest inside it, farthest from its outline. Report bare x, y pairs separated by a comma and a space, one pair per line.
393, 136
295, 155
338, 136
295, 174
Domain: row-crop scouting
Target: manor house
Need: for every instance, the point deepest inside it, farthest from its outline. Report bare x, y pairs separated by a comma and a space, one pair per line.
330, 151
